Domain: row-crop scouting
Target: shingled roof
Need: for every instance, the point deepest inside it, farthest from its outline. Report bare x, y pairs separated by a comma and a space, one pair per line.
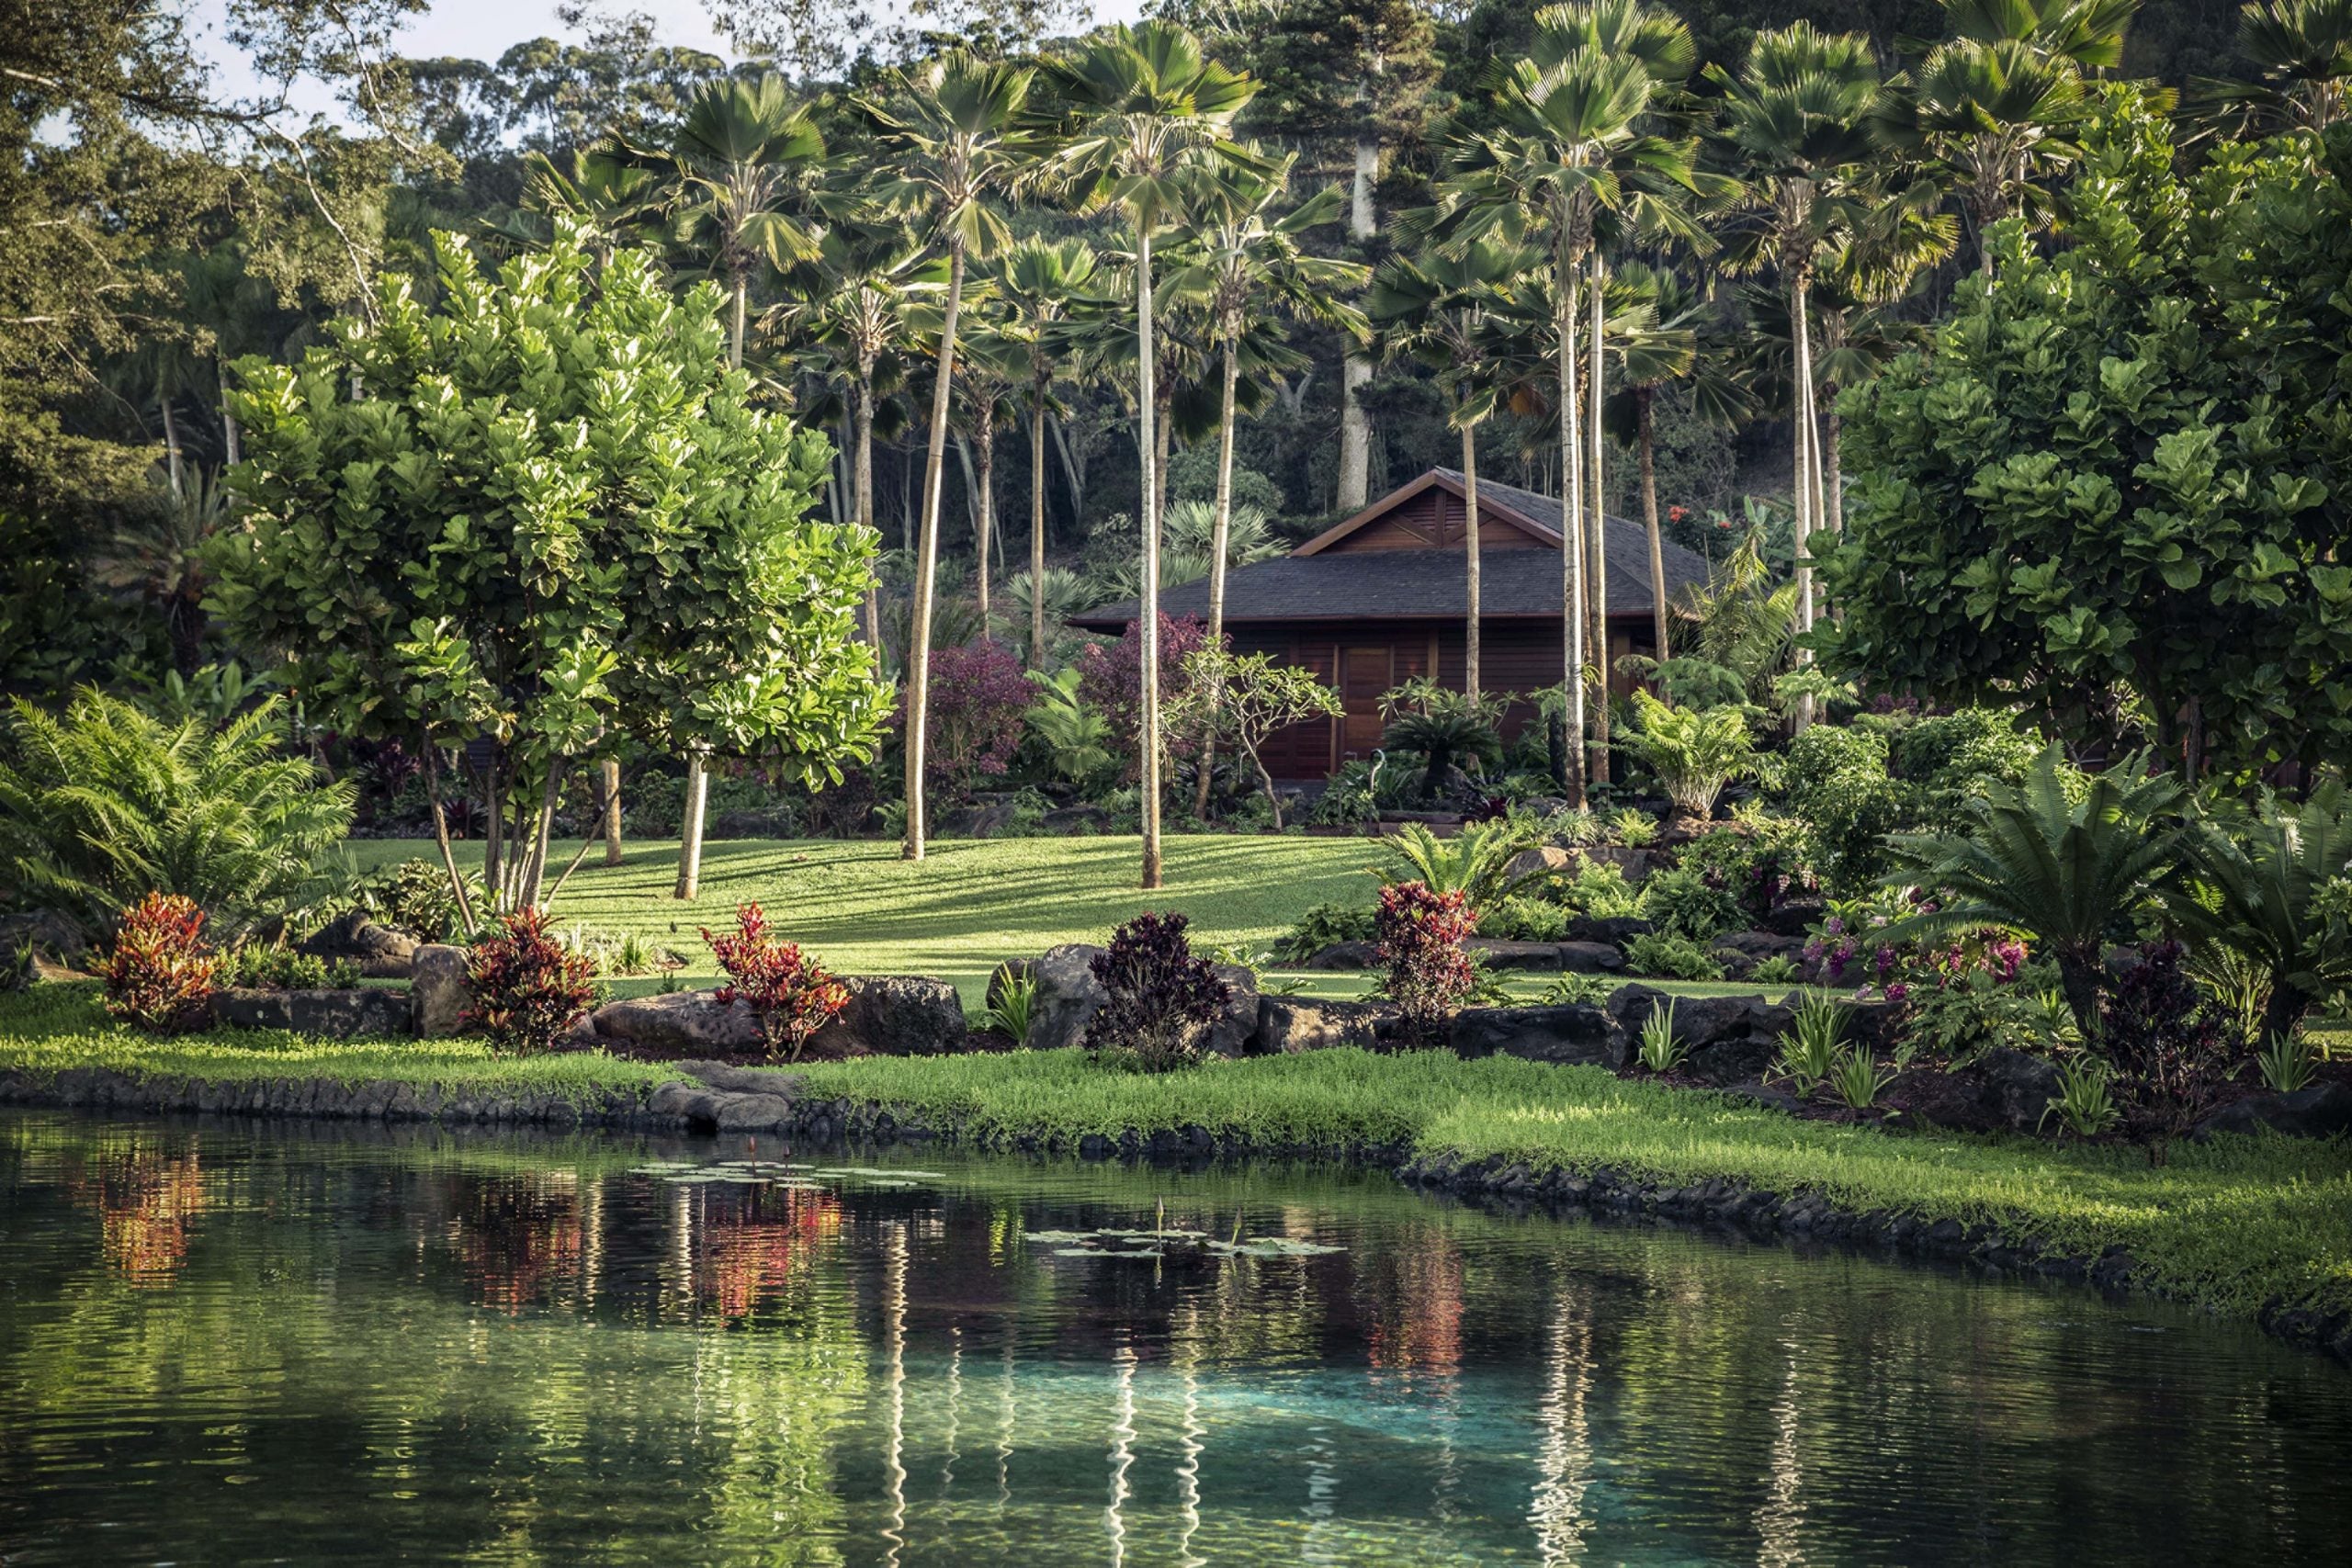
1321, 583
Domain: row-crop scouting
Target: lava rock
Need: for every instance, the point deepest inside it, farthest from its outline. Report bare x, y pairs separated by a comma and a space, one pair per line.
50, 933
1543, 860
895, 1015
2322, 1111
381, 953
338, 1014
1287, 1024
1592, 957
682, 1021
1576, 1031
1614, 929
1516, 955
1346, 956
1077, 820
2019, 1087
1069, 996
437, 982
1740, 952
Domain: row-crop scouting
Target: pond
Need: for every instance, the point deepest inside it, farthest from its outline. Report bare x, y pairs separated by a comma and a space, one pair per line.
227, 1343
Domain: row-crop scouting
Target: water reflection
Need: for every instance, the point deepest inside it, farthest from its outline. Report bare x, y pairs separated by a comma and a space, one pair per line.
526, 1351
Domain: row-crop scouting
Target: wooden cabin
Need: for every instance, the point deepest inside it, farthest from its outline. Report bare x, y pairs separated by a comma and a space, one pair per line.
1381, 597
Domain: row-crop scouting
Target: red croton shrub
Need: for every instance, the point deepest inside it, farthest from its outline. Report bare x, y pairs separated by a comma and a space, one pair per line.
159, 975
791, 995
529, 988
1421, 935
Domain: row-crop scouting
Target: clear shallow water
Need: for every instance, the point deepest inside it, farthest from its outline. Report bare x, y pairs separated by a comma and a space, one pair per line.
221, 1344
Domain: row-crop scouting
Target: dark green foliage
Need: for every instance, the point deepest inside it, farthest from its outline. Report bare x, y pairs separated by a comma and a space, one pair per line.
1158, 1000
2169, 1045
1945, 762
1687, 901
2271, 886
415, 896
1836, 778
254, 965
1662, 957
1323, 925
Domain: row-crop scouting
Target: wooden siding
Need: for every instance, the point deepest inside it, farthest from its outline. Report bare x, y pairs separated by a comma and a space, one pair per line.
1364, 659
1434, 519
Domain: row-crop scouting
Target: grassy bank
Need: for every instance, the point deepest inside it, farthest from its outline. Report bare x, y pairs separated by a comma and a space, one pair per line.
2229, 1225
52, 1027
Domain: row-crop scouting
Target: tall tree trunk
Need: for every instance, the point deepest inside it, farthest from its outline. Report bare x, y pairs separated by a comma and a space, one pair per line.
232, 439
1808, 491
984, 521
1597, 579
735, 322
1038, 530
171, 443
610, 773
690, 828
1220, 537
535, 876
494, 846
918, 663
1355, 371
1645, 437
1572, 585
863, 476
1470, 560
1149, 698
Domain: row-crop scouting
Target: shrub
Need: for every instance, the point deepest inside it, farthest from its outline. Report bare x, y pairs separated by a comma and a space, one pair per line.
1810, 1050
1684, 901
2167, 1044
1762, 866
1524, 920
788, 992
1444, 728
255, 966
415, 896
159, 977
1601, 892
1631, 829
980, 703
1159, 997
1835, 778
1946, 761
1661, 955
527, 987
1110, 678
1421, 932
105, 803
1325, 925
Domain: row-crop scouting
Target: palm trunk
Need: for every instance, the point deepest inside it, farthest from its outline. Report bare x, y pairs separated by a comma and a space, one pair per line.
233, 444
1148, 697
984, 524
171, 443
610, 773
927, 561
1470, 560
735, 325
690, 828
1356, 369
493, 847
1571, 530
1220, 537
1037, 531
1801, 401
864, 482
1597, 582
1648, 441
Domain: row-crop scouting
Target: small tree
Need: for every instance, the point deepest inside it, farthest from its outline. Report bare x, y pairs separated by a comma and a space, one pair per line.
1421, 935
1158, 997
539, 512
791, 995
1244, 699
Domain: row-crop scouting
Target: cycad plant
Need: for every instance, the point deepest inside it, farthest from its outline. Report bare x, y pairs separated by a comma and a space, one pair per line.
2271, 886
1149, 108
2066, 868
105, 803
1475, 863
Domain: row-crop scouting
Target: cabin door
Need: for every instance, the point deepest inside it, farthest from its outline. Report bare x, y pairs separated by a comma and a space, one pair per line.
1364, 674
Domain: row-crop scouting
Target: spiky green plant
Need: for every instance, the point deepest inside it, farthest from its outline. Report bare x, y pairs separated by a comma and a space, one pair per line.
2083, 1104
1809, 1052
1474, 863
1694, 751
2067, 873
1857, 1079
104, 802
1661, 1049
2269, 885
2287, 1063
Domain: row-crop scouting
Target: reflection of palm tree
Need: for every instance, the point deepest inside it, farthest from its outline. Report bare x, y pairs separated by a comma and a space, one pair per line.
158, 552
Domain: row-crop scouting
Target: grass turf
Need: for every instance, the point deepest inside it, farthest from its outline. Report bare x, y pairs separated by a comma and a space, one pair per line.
970, 904
2229, 1225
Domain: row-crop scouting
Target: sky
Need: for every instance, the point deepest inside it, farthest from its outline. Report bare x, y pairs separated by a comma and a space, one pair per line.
484, 29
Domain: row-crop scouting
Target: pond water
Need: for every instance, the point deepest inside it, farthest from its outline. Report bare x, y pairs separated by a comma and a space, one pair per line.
221, 1343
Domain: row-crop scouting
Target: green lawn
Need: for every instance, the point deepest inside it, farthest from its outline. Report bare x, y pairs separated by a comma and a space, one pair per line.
969, 905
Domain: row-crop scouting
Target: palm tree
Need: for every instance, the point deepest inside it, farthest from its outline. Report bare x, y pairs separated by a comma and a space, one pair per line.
1041, 283
1441, 309
1245, 259
2303, 50
993, 360
1794, 122
953, 133
1149, 107
613, 197
1667, 334
158, 555
1565, 150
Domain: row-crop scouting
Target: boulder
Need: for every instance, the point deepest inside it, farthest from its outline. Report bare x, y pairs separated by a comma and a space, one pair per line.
1346, 956
50, 933
1731, 1039
1069, 996
1496, 955
1740, 952
2018, 1085
1614, 929
1286, 1024
895, 1015
1542, 861
691, 1022
2322, 1111
438, 983
1592, 957
1636, 863
979, 820
1577, 1032
381, 953
338, 1014
1795, 917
